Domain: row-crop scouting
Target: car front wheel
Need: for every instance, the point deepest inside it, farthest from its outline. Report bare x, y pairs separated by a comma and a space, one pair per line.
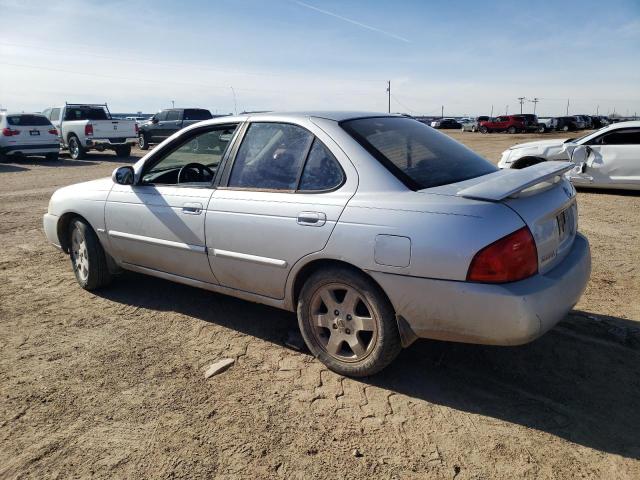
87, 256
348, 323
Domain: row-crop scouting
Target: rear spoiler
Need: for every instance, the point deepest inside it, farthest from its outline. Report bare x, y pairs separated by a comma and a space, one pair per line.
507, 182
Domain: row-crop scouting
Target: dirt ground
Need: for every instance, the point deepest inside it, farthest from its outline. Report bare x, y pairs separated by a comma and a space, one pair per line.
111, 384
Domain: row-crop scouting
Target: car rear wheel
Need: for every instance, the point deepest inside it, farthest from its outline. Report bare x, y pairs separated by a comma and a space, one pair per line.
565, 128
143, 142
348, 323
123, 151
512, 129
76, 150
87, 256
541, 129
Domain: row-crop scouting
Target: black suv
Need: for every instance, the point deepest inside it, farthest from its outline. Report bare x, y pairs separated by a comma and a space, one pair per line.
167, 122
531, 123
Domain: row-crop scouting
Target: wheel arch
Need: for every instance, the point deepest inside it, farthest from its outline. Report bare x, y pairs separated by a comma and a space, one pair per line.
63, 228
407, 335
527, 161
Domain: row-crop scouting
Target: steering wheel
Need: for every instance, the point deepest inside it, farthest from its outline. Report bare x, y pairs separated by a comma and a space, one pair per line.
190, 167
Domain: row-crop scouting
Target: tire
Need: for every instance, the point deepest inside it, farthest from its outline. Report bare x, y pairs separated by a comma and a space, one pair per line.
347, 322
484, 129
541, 129
512, 130
123, 151
143, 142
76, 150
88, 259
565, 128
52, 157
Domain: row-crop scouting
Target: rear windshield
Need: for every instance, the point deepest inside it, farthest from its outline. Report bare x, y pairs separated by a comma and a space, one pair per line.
196, 114
29, 120
86, 113
417, 154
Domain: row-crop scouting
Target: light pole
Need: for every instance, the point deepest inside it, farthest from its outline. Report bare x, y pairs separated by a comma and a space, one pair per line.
389, 96
535, 104
521, 100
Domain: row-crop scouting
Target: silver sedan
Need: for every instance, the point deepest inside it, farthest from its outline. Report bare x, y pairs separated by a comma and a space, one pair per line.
376, 229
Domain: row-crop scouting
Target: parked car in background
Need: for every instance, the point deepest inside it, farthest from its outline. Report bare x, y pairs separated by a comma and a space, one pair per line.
567, 124
483, 118
606, 158
549, 124
586, 119
469, 126
504, 123
27, 135
531, 123
375, 229
579, 121
167, 122
599, 121
446, 123
85, 127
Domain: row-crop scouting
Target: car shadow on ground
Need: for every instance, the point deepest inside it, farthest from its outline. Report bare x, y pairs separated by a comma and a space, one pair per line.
6, 168
580, 381
609, 191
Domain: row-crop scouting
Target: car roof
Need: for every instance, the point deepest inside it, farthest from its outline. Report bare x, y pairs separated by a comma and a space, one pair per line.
336, 116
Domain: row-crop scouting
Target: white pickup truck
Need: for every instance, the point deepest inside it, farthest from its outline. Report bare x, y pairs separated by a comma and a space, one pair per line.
84, 127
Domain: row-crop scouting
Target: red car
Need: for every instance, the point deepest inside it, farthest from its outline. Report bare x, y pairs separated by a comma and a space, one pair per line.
505, 123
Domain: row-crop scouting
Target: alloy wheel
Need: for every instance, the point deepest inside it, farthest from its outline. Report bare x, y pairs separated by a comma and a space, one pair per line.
343, 323
79, 254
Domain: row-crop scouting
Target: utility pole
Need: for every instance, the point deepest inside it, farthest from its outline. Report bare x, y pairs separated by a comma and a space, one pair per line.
567, 106
491, 116
521, 100
173, 104
597, 110
235, 100
442, 111
535, 104
506, 110
389, 96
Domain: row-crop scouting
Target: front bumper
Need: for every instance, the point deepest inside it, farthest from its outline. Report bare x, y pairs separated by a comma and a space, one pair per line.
111, 142
50, 224
507, 314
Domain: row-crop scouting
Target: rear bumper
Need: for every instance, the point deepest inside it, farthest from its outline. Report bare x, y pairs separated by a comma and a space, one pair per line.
111, 142
35, 149
507, 314
50, 225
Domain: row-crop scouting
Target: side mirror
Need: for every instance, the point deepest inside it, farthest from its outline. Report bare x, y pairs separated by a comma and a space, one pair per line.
123, 175
154, 120
579, 155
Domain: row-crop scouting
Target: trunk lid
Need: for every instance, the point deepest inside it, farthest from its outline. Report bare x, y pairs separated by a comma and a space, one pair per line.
540, 195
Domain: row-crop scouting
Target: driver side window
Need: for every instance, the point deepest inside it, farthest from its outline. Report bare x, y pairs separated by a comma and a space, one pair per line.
194, 161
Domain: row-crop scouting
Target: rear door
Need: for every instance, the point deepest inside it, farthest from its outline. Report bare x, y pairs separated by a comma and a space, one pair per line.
156, 129
281, 199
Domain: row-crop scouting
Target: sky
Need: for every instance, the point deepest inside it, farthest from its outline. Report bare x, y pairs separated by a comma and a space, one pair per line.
236, 55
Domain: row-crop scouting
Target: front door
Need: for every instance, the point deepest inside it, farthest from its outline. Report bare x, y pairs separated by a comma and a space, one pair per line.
159, 223
284, 194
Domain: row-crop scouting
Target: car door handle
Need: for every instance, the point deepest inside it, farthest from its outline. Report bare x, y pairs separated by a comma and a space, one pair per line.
192, 208
313, 219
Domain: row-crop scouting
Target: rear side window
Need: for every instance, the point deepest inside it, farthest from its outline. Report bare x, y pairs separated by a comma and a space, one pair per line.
322, 171
28, 120
197, 114
270, 157
419, 156
86, 113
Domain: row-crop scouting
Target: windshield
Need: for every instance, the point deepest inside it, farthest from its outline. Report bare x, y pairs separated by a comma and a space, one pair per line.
418, 155
579, 139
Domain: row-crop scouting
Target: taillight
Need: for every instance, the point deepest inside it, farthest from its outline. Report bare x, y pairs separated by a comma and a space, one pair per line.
53, 131
88, 129
7, 132
511, 258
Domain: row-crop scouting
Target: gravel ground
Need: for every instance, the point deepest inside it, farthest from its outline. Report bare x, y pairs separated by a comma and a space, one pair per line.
112, 384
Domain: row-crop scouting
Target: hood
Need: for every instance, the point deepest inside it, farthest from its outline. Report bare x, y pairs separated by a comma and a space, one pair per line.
94, 190
101, 184
540, 143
